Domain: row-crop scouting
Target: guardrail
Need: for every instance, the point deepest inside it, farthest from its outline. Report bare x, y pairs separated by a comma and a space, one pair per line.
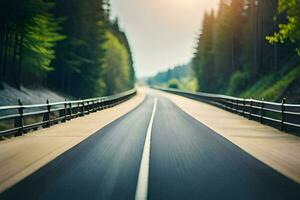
283, 116
19, 119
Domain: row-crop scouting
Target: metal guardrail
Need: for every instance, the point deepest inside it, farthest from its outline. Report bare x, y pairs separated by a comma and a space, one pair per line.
283, 116
29, 117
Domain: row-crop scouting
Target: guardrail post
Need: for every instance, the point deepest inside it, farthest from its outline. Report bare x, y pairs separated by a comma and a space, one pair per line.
65, 111
83, 109
19, 121
250, 109
88, 107
78, 109
109, 103
282, 128
98, 104
237, 106
101, 104
244, 106
47, 115
93, 102
70, 110
262, 110
106, 103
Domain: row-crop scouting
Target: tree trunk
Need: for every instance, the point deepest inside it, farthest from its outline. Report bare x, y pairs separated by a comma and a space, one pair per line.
5, 53
15, 61
21, 46
232, 52
1, 52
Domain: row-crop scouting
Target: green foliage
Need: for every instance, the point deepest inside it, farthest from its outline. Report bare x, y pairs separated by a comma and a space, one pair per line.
3, 126
173, 83
182, 75
29, 33
232, 54
116, 66
79, 58
178, 72
260, 86
40, 37
274, 90
188, 84
203, 62
115, 29
291, 29
271, 86
64, 44
218, 49
237, 83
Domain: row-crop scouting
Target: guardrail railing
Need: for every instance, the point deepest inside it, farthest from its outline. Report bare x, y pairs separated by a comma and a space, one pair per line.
283, 116
16, 120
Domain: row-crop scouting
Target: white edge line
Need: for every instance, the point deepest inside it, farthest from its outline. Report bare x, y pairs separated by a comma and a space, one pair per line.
142, 184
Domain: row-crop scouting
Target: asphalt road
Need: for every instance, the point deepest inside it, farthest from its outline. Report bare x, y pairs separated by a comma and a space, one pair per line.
187, 161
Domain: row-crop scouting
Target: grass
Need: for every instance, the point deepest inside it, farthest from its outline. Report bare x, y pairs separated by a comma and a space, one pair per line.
278, 87
259, 87
4, 126
271, 86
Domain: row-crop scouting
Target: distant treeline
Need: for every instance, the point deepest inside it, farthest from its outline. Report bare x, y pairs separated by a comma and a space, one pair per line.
181, 77
246, 43
68, 45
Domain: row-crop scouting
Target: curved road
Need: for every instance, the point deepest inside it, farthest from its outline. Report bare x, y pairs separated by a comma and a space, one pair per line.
187, 160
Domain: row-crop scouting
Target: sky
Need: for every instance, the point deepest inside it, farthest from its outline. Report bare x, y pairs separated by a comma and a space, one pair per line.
161, 33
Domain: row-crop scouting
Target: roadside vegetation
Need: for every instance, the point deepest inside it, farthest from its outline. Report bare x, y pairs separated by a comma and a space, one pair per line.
272, 86
65, 45
249, 48
180, 77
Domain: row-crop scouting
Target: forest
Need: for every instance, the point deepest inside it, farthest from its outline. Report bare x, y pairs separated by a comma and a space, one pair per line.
250, 48
180, 77
70, 46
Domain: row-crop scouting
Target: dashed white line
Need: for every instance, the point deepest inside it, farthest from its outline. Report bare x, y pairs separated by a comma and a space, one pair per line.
142, 184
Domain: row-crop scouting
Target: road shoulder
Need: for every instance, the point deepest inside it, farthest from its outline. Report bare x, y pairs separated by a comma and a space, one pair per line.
279, 150
21, 156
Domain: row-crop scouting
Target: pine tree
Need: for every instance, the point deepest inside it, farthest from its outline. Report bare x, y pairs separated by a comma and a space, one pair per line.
28, 35
80, 56
203, 60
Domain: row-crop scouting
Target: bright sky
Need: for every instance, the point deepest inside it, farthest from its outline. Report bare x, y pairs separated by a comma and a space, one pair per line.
161, 33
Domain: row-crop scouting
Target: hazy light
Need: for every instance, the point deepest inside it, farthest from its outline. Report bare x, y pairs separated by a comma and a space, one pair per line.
161, 32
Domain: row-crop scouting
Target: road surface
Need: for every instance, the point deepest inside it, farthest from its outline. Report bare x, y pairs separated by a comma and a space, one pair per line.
155, 151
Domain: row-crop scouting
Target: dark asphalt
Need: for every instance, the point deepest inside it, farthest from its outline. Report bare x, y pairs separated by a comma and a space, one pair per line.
190, 161
187, 161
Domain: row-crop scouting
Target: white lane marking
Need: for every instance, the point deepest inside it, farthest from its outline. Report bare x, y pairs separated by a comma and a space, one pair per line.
142, 184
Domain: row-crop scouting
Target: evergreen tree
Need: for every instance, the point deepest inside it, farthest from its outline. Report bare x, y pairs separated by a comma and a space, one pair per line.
238, 54
222, 45
204, 60
28, 35
80, 56
64, 44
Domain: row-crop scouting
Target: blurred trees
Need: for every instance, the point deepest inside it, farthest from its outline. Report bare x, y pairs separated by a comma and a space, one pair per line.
63, 45
233, 50
182, 75
116, 71
205, 54
115, 29
79, 56
28, 34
